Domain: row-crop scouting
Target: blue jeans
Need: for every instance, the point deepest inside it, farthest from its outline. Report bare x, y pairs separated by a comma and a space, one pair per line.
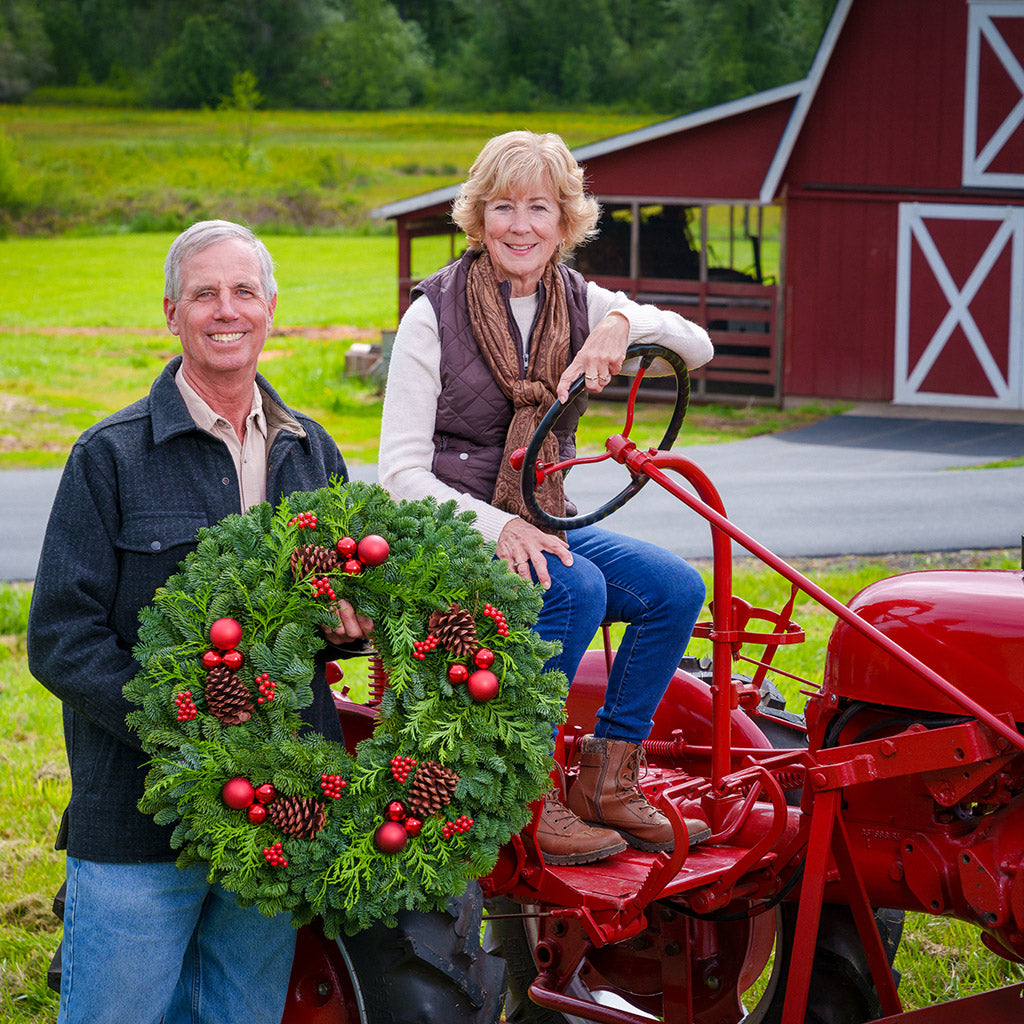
623, 580
149, 941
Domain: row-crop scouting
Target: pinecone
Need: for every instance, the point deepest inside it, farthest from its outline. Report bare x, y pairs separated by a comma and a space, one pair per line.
298, 816
307, 558
455, 630
432, 788
227, 697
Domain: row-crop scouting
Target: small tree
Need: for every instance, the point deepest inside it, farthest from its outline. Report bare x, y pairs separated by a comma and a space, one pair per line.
244, 99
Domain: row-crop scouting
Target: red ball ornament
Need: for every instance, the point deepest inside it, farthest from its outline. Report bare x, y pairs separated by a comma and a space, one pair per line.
238, 793
353, 567
211, 659
390, 837
373, 550
266, 793
257, 814
346, 547
458, 673
396, 812
484, 658
225, 634
334, 673
482, 685
233, 660
413, 826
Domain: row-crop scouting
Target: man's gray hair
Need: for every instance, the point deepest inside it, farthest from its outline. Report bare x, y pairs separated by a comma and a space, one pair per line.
205, 233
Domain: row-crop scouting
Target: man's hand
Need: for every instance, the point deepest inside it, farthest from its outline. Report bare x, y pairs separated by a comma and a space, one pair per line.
351, 625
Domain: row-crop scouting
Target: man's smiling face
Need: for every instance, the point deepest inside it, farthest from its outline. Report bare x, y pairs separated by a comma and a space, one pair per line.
222, 316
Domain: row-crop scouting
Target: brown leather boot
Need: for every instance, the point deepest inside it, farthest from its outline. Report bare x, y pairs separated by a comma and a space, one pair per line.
564, 839
607, 793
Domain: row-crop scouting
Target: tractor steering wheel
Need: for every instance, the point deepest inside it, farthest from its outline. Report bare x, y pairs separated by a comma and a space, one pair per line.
647, 352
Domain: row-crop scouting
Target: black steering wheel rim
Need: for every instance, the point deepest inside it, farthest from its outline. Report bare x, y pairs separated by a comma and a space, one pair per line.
647, 353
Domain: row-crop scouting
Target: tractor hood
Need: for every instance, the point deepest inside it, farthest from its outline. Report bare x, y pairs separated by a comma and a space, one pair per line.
966, 625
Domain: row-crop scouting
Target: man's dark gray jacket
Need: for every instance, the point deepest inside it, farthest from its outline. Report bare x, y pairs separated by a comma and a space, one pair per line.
135, 490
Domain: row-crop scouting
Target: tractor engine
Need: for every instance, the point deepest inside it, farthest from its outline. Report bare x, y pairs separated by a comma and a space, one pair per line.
933, 800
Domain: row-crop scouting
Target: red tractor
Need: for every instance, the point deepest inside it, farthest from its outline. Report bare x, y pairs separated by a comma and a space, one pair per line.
900, 789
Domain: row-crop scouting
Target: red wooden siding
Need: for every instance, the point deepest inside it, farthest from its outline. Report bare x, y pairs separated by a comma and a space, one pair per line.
841, 297
889, 109
726, 159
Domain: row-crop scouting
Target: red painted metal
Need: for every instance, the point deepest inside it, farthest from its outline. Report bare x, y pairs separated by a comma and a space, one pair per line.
911, 796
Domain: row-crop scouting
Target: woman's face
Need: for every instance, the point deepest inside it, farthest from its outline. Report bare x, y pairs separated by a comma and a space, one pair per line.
522, 231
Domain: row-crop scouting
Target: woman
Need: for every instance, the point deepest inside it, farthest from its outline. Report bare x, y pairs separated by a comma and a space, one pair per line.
479, 357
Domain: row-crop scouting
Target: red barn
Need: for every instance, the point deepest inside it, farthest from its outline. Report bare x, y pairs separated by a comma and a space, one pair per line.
855, 235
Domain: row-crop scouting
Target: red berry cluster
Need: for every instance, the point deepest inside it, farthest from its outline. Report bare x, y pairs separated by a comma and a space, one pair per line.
274, 856
401, 767
304, 521
186, 709
267, 687
460, 824
322, 588
499, 618
332, 785
421, 647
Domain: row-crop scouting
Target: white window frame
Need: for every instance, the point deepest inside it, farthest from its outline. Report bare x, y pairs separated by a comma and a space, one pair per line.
981, 27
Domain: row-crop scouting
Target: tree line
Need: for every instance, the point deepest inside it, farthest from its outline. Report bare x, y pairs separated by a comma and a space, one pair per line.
660, 55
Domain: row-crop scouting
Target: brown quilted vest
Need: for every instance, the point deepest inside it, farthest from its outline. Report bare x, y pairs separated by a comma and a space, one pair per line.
473, 414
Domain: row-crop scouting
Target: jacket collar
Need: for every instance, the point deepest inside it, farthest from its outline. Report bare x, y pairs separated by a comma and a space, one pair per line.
170, 415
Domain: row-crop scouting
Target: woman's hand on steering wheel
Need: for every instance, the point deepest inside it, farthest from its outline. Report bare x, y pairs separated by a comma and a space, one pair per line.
522, 545
600, 357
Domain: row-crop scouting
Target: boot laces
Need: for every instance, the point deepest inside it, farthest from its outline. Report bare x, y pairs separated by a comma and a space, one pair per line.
557, 814
636, 765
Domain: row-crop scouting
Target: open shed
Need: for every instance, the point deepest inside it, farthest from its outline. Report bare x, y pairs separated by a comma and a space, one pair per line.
855, 235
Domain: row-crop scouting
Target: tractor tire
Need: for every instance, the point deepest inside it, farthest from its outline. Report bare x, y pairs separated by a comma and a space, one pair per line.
841, 990
429, 968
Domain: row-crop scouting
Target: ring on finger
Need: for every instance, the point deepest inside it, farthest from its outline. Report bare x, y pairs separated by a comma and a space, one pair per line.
604, 376
591, 376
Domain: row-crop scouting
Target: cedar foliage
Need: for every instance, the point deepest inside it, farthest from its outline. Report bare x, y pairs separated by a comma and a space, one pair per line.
500, 750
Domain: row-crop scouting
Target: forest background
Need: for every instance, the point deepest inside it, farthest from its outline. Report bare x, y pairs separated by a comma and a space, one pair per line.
661, 56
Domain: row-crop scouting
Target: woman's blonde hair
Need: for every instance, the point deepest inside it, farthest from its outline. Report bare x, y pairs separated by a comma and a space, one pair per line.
514, 161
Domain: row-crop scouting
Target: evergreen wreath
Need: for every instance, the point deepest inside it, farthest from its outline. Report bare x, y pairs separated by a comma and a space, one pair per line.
287, 819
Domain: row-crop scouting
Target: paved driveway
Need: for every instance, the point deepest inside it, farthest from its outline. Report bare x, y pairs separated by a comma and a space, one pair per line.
847, 485
851, 484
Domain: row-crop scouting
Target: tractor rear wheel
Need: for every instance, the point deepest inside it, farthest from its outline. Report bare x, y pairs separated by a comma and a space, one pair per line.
429, 968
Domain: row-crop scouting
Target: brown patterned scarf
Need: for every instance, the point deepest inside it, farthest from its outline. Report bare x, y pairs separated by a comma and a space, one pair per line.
533, 396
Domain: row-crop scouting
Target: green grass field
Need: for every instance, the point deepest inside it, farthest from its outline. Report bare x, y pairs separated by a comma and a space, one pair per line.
96, 170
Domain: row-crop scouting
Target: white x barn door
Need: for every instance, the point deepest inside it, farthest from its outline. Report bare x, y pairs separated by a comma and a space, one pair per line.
960, 306
993, 153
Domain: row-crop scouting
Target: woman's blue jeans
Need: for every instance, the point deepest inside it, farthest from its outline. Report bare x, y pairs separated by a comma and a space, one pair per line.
149, 941
620, 579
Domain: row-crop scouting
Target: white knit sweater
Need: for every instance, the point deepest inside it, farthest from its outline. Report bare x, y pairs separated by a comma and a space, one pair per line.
414, 384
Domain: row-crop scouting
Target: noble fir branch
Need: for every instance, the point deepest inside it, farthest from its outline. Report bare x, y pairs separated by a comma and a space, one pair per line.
241, 569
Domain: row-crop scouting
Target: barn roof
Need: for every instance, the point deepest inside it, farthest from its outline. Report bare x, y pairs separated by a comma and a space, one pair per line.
780, 111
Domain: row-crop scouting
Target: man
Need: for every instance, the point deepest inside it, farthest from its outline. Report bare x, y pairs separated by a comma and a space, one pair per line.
144, 940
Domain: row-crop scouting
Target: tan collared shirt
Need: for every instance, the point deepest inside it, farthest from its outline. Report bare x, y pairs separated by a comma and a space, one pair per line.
250, 454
